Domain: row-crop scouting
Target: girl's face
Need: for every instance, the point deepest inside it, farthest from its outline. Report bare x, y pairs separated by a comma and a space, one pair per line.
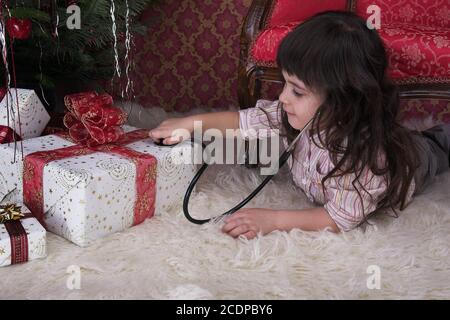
299, 102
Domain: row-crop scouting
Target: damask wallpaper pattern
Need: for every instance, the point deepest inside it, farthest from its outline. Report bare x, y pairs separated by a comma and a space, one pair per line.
189, 56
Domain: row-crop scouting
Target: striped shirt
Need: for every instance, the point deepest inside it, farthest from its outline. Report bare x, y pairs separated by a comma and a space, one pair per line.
340, 198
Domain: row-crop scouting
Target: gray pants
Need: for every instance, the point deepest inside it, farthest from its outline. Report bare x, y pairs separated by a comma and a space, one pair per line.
434, 154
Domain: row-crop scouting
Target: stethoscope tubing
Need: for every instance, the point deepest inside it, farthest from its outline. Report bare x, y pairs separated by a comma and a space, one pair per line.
282, 160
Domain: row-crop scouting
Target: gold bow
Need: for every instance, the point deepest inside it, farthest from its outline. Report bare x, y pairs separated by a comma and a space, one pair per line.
10, 212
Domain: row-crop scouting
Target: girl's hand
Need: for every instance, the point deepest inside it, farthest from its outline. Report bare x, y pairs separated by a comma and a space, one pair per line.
248, 222
166, 130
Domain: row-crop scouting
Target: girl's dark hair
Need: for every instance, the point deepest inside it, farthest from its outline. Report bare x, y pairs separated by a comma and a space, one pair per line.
336, 54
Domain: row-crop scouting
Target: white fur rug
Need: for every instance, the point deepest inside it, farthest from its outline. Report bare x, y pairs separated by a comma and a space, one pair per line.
169, 258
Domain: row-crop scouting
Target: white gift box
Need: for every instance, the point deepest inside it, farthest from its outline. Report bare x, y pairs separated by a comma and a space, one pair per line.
31, 113
36, 234
90, 196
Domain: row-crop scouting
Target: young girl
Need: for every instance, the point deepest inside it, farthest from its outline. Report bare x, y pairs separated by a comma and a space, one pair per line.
354, 159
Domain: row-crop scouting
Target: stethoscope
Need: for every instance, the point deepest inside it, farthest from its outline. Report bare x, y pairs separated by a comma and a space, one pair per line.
282, 160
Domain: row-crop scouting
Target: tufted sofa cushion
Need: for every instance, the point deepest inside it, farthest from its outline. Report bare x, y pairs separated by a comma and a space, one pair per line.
417, 52
265, 47
416, 34
284, 11
429, 13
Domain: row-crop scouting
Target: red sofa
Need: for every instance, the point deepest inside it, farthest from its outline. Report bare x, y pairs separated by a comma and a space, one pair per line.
416, 34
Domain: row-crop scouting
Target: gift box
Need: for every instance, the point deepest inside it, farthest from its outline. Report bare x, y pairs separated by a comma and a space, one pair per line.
21, 240
100, 177
88, 196
27, 116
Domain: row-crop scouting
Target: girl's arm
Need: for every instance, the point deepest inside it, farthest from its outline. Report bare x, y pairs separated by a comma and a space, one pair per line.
309, 220
248, 222
217, 120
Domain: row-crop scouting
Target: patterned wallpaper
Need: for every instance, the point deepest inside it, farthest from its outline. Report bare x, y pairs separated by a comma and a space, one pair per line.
190, 54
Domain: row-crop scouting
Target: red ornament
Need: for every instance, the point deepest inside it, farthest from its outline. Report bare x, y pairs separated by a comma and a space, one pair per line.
2, 93
7, 135
18, 28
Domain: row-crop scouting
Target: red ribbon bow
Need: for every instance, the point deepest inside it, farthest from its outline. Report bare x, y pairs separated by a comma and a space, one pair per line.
92, 120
